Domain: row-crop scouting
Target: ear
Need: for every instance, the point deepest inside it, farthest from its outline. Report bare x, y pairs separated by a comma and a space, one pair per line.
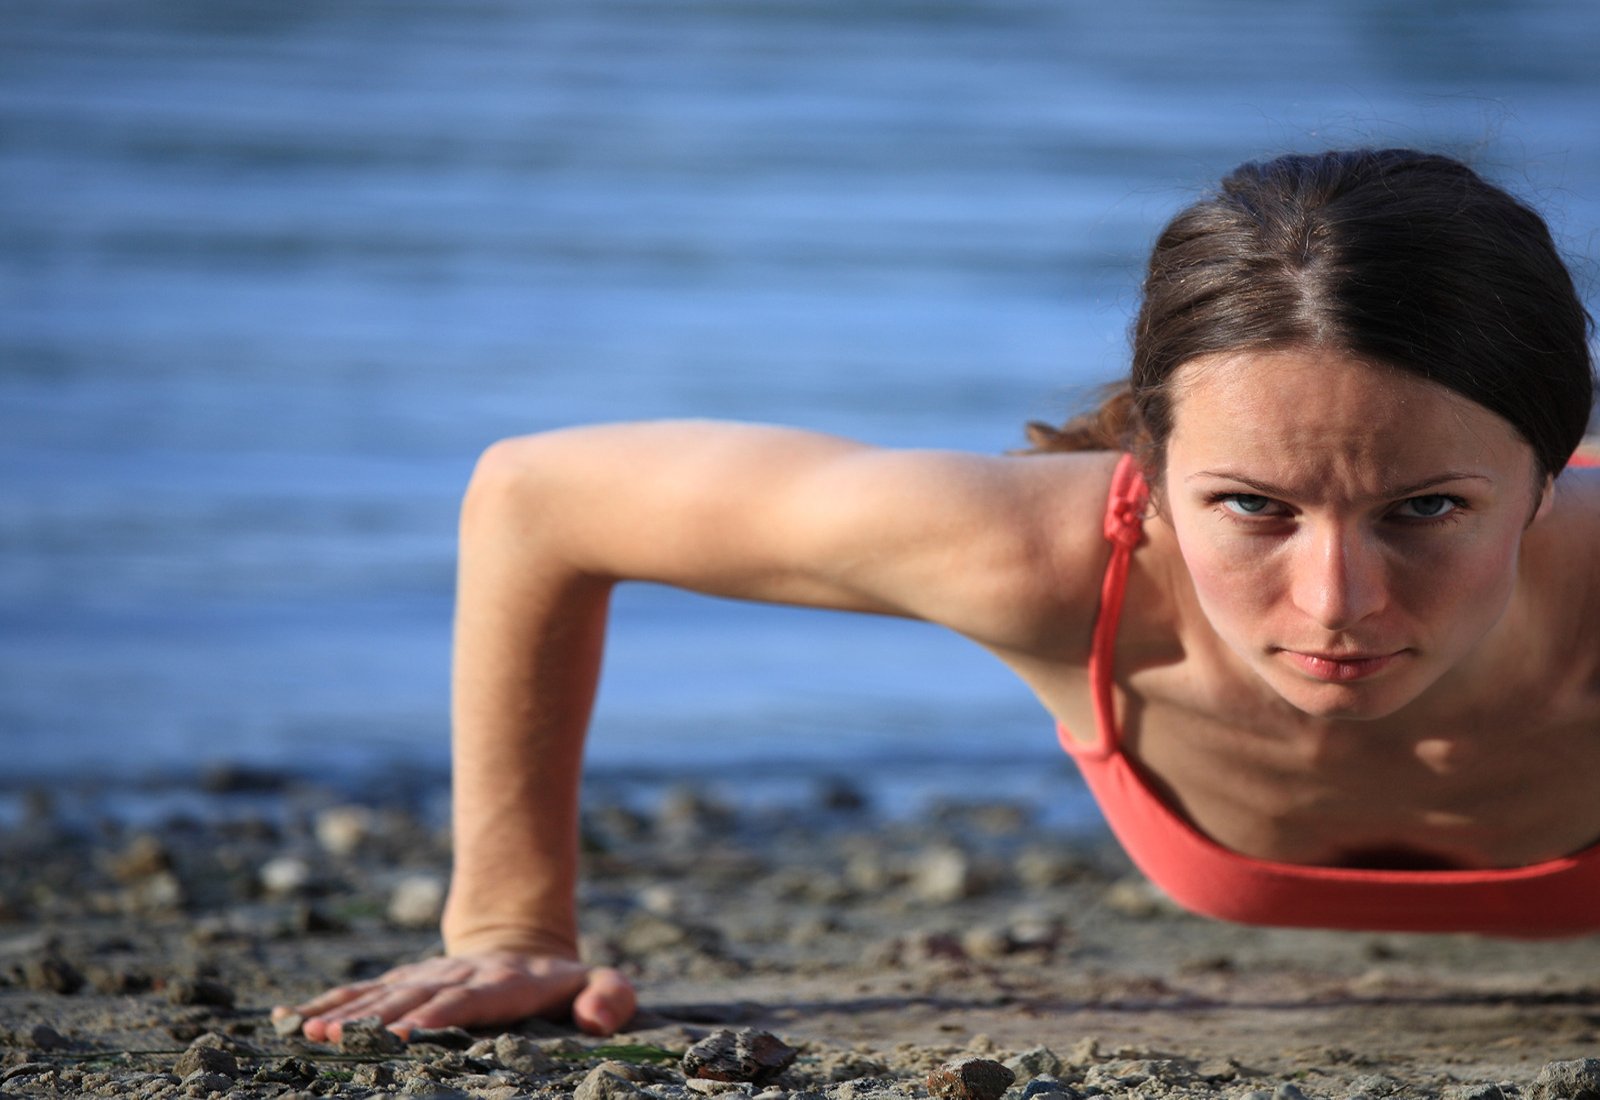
1547, 496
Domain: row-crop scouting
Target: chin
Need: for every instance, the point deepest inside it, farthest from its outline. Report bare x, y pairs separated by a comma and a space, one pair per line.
1358, 702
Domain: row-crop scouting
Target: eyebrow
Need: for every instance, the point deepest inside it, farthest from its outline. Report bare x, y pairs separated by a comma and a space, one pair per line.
1266, 488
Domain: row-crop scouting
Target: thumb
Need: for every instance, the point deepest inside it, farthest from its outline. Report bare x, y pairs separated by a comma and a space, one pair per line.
606, 1003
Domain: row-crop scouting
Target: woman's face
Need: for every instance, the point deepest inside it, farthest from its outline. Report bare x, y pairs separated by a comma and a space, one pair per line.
1352, 531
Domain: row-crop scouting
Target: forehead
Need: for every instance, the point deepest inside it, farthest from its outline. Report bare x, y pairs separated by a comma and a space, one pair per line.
1310, 416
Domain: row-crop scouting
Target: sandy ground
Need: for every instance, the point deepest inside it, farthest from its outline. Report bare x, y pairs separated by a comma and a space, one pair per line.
877, 950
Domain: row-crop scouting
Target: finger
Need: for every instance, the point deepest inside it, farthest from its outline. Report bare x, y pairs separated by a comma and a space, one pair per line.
386, 1004
606, 1004
510, 996
333, 998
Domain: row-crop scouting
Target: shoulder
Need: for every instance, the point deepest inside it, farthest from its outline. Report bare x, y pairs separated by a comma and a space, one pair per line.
1007, 550
1559, 556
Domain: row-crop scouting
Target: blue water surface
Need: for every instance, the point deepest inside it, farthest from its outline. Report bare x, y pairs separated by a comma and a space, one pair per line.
272, 275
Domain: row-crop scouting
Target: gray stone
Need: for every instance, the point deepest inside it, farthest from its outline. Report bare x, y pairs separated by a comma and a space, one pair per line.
204, 1083
1048, 1087
368, 1036
50, 972
199, 991
1576, 1080
604, 1082
1037, 1062
518, 1052
747, 1055
45, 1037
1485, 1091
417, 901
206, 1059
970, 1079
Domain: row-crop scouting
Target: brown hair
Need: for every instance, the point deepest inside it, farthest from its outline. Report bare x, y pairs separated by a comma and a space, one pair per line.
1402, 258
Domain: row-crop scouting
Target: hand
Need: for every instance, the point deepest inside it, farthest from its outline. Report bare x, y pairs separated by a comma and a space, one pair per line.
463, 991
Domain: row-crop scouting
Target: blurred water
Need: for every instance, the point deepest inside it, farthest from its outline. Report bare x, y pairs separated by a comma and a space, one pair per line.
271, 275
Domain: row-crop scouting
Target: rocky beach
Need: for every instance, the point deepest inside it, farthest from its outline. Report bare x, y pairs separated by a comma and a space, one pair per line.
825, 950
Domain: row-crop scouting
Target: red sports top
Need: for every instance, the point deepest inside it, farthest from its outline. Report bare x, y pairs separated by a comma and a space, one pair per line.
1558, 897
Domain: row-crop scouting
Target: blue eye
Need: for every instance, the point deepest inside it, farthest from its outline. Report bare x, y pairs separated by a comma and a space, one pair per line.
1246, 504
1429, 507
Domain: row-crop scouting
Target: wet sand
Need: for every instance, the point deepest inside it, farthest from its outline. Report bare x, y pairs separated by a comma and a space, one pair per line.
877, 950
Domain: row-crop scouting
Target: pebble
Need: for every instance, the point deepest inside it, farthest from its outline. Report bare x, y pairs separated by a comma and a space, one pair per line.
604, 1082
745, 1055
941, 876
417, 901
204, 1083
1576, 1080
1136, 897
522, 1054
144, 856
1048, 1087
204, 1059
199, 991
342, 830
285, 875
1484, 1091
368, 1036
45, 1037
1037, 1062
288, 1025
50, 972
970, 1079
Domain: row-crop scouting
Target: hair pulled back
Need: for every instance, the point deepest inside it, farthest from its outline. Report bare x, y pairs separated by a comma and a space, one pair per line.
1395, 257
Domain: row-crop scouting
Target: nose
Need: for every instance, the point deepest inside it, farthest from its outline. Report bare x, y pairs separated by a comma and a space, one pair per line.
1339, 578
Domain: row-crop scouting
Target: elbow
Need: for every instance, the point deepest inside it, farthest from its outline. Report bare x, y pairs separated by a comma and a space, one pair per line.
503, 487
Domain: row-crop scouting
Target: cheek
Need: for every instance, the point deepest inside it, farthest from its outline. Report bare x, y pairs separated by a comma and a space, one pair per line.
1231, 585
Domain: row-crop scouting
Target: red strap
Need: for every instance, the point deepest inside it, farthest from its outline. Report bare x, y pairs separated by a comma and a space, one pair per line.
1124, 530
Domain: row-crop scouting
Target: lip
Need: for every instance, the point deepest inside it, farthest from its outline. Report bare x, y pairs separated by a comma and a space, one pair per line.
1341, 669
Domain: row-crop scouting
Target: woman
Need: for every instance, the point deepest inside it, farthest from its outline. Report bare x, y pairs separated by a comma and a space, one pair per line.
1308, 599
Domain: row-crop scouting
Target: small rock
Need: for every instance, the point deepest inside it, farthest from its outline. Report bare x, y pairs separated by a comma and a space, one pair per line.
1475, 1092
285, 875
840, 795
1576, 1080
986, 941
1048, 1087
970, 1079
1136, 897
941, 876
341, 830
161, 892
287, 1071
368, 1036
417, 901
204, 1059
51, 972
373, 1075
604, 1082
45, 1037
204, 1083
1287, 1091
122, 980
522, 1054
1038, 1062
144, 856
288, 1025
199, 991
746, 1055
450, 1038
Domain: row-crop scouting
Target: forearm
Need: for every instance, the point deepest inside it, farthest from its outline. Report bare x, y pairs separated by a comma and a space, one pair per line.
529, 634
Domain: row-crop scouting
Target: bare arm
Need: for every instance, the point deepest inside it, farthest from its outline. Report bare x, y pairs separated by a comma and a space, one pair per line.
552, 522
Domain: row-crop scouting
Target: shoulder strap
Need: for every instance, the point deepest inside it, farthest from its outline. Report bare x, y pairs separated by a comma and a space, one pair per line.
1124, 530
